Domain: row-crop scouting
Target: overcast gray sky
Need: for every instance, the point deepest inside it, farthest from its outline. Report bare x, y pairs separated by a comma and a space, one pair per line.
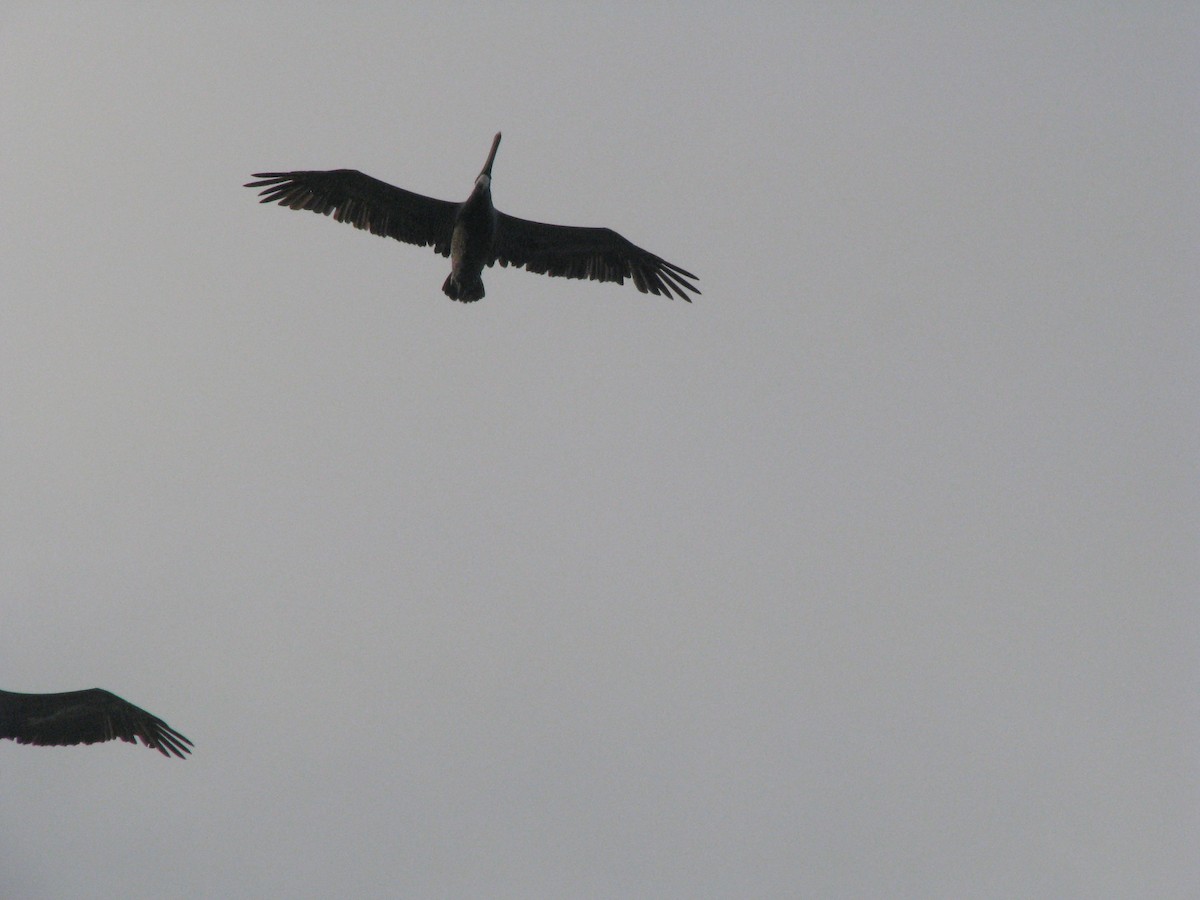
873, 572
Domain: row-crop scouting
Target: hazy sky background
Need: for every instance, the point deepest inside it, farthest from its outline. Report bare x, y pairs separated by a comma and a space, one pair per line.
871, 573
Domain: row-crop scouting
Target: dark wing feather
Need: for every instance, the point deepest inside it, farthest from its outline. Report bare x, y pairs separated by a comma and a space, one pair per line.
364, 202
596, 253
84, 717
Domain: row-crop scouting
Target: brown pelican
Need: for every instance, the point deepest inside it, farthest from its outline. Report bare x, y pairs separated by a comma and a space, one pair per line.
474, 233
84, 717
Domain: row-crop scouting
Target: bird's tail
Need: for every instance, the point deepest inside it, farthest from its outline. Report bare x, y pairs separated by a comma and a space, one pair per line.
466, 291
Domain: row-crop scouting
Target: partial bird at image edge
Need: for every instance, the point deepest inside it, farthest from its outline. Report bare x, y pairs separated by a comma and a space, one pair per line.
85, 717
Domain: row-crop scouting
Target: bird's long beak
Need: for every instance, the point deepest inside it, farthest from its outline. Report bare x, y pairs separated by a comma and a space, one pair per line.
487, 166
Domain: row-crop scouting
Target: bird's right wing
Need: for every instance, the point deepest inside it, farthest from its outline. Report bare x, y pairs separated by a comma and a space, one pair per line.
364, 202
599, 254
84, 717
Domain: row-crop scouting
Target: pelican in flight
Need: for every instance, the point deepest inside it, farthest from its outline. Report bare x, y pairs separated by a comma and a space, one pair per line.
474, 233
84, 717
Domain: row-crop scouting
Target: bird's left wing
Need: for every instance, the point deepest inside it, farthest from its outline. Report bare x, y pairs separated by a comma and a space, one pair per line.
597, 253
364, 202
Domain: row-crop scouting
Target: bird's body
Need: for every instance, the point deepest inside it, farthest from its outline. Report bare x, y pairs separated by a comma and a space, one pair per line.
84, 717
474, 234
473, 239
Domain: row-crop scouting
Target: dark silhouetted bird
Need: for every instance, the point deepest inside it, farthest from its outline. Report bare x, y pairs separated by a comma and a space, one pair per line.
84, 717
474, 234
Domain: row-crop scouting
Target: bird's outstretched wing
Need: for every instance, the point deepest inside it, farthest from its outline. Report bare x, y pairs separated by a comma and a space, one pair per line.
596, 253
84, 717
364, 202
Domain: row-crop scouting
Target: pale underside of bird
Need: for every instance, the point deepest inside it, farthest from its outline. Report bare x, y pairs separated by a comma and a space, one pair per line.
474, 234
84, 717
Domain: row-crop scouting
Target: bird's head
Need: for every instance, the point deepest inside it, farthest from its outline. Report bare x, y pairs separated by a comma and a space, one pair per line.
485, 176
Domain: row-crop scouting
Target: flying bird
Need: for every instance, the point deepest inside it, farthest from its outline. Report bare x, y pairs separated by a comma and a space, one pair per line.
84, 717
474, 233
